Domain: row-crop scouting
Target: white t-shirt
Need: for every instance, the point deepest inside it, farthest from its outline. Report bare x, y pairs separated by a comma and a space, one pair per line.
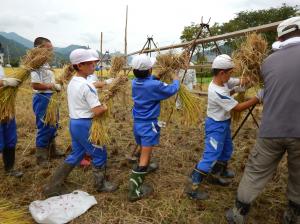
2, 74
220, 103
43, 75
82, 97
92, 78
190, 78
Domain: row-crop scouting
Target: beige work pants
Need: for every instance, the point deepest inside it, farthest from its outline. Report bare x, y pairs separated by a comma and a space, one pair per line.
262, 163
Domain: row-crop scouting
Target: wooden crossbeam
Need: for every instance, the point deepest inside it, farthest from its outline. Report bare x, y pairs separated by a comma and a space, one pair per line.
258, 29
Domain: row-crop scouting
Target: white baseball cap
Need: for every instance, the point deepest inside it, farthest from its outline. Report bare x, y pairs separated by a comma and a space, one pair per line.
94, 52
288, 25
141, 62
222, 61
82, 55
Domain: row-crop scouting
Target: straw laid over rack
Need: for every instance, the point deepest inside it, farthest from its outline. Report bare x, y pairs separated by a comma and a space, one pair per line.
33, 60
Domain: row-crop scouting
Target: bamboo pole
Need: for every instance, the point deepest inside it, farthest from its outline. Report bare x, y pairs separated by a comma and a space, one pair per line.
101, 51
258, 29
125, 38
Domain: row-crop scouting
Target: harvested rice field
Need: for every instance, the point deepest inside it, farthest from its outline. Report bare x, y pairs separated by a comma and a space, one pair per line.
180, 148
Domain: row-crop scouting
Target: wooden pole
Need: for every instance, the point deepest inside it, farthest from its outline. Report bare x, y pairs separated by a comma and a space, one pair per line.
125, 39
125, 48
101, 52
258, 29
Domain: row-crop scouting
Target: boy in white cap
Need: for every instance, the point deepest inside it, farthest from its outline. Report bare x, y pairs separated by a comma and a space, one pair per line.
147, 92
218, 143
8, 132
279, 132
43, 84
92, 78
84, 104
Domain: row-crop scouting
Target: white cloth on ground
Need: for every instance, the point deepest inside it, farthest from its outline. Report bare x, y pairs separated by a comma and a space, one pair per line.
61, 209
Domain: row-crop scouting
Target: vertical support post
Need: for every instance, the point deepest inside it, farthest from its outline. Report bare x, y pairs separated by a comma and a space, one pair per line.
125, 38
101, 52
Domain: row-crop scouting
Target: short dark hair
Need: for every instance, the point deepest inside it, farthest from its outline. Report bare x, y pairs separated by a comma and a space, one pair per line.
40, 41
215, 71
76, 67
141, 73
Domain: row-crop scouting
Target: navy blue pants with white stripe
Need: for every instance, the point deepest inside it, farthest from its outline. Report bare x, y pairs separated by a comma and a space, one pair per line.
45, 133
80, 130
218, 144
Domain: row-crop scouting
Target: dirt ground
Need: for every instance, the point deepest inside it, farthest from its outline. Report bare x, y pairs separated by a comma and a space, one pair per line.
180, 148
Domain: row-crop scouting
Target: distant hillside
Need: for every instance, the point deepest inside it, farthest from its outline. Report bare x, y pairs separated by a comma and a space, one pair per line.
19, 39
15, 46
13, 49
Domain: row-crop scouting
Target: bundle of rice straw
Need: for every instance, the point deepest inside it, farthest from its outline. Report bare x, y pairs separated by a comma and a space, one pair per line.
51, 116
10, 215
99, 129
117, 63
248, 59
33, 60
166, 66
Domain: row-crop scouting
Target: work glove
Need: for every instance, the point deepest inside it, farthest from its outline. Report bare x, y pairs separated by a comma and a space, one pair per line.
13, 82
260, 95
109, 81
239, 89
57, 87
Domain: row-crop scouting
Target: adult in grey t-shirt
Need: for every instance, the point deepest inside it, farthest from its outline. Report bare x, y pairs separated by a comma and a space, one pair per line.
280, 127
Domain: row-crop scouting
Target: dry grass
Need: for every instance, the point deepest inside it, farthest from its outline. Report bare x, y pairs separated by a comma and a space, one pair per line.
180, 148
11, 215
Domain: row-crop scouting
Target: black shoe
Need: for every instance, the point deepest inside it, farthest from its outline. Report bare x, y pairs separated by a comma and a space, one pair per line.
237, 215
217, 180
292, 214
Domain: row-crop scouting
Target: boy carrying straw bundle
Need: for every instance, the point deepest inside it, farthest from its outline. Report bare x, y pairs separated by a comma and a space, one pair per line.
147, 92
43, 84
83, 105
218, 143
8, 132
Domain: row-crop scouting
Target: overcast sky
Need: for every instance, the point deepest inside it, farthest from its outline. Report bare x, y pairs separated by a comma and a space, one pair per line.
80, 22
